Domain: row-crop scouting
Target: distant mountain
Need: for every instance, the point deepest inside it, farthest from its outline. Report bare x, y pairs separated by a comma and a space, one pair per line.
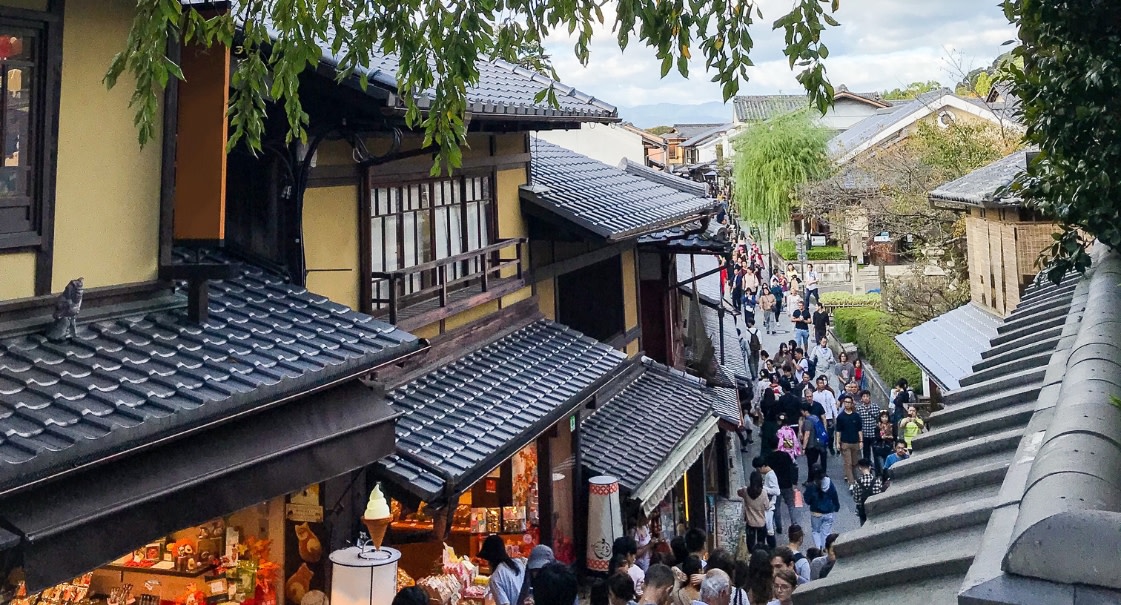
666, 114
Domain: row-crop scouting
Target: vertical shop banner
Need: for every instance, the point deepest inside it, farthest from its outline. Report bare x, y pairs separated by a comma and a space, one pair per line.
305, 563
710, 515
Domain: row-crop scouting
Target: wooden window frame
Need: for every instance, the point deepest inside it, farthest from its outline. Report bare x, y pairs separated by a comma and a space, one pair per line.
43, 135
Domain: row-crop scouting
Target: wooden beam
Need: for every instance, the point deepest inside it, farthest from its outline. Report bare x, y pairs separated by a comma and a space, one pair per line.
578, 262
167, 158
48, 110
440, 313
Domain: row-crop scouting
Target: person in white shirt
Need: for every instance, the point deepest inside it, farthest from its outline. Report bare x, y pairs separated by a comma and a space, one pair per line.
811, 285
770, 485
828, 401
822, 357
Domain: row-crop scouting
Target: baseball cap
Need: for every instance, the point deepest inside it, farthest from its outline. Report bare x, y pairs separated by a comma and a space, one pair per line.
540, 556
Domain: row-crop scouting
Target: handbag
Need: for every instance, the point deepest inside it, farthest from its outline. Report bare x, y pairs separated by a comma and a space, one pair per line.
799, 501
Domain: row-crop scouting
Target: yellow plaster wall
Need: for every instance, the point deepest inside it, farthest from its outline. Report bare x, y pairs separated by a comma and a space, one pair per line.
510, 221
510, 144
107, 187
547, 298
331, 242
470, 315
17, 275
630, 289
632, 348
518, 296
430, 331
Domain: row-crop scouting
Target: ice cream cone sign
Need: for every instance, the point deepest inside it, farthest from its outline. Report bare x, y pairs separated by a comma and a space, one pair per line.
376, 516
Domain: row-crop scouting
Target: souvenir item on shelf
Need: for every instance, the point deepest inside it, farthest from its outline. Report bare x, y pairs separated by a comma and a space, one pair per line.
441, 589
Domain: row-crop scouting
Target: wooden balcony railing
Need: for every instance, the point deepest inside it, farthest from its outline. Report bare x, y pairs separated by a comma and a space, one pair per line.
441, 287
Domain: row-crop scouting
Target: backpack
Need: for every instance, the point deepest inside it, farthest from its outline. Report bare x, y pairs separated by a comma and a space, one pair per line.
755, 345
820, 434
788, 441
811, 368
798, 556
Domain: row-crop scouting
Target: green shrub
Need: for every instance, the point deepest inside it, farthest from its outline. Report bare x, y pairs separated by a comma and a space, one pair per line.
870, 330
844, 299
788, 250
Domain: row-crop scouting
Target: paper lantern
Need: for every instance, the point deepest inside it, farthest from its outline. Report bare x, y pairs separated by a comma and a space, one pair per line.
364, 576
605, 521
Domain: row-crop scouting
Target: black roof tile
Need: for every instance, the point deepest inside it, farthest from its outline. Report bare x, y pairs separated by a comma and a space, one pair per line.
609, 202
467, 417
665, 403
123, 382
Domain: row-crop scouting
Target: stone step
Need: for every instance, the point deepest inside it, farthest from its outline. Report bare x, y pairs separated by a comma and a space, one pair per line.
1015, 364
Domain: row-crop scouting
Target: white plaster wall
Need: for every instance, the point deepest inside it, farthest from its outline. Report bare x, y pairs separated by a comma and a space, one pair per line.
603, 142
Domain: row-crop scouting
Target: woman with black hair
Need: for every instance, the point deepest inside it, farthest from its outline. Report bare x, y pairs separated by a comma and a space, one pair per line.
755, 505
760, 578
411, 596
506, 574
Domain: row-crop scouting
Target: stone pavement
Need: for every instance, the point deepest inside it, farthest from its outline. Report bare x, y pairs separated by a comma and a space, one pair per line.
846, 519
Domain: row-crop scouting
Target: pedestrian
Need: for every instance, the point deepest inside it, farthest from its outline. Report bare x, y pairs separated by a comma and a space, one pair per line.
755, 505
716, 589
787, 434
784, 584
659, 584
811, 285
801, 363
820, 321
783, 356
828, 401
506, 575
911, 426
760, 582
820, 567
814, 438
844, 370
885, 442
767, 302
771, 411
770, 485
867, 485
750, 303
794, 537
821, 497
724, 561
782, 559
869, 416
850, 437
555, 584
901, 397
620, 590
754, 346
858, 373
898, 455
689, 589
821, 357
801, 318
785, 467
776, 291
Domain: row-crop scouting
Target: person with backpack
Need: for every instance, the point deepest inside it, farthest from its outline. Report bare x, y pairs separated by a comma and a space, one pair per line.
776, 291
753, 346
785, 468
867, 484
821, 497
794, 536
814, 438
828, 402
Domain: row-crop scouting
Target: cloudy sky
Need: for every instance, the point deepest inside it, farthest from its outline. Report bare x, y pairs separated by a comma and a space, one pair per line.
881, 44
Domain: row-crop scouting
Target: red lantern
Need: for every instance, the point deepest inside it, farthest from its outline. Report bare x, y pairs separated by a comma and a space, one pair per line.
6, 47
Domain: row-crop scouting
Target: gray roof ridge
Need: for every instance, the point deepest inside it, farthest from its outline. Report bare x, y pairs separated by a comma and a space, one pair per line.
1072, 490
872, 537
908, 492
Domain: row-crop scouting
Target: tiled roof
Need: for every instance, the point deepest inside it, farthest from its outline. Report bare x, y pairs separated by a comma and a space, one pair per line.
663, 178
466, 418
980, 187
504, 90
756, 108
925, 531
125, 382
883, 120
705, 135
688, 131
713, 240
947, 346
636, 433
609, 202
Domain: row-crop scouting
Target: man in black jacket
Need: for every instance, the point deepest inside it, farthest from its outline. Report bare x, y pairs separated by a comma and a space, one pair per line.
786, 470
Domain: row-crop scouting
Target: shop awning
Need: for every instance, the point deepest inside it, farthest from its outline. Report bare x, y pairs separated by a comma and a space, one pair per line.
460, 422
70, 527
651, 431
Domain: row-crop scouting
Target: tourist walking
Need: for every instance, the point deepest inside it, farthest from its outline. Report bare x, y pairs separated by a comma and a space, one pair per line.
753, 346
820, 321
850, 437
811, 285
828, 402
885, 441
822, 357
845, 371
867, 484
900, 454
821, 497
776, 291
911, 426
756, 502
785, 467
814, 438
767, 302
869, 416
801, 318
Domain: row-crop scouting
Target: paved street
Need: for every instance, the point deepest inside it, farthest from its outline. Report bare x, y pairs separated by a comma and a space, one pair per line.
846, 520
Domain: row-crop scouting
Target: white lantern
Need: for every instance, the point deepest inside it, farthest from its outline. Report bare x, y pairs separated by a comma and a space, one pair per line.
364, 576
605, 521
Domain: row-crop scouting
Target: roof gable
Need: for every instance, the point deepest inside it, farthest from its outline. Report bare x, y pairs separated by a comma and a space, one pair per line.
982, 186
608, 202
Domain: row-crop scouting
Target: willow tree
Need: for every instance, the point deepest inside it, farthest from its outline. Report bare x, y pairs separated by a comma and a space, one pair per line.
439, 45
773, 160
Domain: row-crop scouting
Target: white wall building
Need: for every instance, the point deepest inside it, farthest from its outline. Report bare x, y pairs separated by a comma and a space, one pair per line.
607, 143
